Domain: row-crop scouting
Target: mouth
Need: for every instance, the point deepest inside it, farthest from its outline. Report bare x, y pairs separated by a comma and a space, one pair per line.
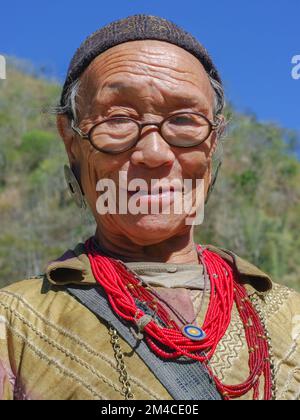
153, 191
160, 195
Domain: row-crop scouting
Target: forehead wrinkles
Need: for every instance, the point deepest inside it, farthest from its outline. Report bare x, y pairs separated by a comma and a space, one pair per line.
168, 63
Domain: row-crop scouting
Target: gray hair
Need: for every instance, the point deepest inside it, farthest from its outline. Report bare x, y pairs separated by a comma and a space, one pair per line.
69, 108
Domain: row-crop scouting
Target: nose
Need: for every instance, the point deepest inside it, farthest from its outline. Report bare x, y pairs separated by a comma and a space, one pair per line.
152, 150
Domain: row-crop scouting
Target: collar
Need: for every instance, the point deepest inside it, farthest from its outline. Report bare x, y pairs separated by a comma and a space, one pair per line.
249, 274
73, 267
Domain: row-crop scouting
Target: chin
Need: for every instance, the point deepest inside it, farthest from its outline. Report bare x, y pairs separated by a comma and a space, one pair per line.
151, 229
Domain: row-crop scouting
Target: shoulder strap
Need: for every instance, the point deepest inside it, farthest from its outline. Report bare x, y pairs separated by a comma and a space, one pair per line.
183, 379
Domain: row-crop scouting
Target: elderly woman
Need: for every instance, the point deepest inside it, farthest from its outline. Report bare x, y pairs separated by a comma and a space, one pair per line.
139, 311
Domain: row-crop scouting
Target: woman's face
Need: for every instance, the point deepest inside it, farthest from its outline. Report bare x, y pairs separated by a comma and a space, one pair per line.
147, 81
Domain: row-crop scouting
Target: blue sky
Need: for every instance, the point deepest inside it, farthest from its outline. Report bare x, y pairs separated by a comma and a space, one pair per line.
252, 43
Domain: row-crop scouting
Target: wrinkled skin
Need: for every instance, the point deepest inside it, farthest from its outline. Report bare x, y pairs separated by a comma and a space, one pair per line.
146, 80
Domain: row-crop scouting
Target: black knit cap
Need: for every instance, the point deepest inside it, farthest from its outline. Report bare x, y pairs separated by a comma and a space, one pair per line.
133, 28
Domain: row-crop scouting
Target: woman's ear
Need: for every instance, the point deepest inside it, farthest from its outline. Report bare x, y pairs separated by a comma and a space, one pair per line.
213, 144
222, 125
217, 134
67, 134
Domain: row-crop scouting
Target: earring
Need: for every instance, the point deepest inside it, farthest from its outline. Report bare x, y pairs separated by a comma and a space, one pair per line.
74, 187
212, 184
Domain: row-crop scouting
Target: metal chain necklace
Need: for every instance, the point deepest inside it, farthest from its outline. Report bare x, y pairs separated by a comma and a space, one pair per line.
121, 367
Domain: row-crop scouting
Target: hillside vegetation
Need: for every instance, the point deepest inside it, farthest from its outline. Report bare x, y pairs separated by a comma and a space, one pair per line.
254, 210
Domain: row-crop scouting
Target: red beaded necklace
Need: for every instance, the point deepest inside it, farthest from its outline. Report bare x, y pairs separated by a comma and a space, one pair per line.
166, 339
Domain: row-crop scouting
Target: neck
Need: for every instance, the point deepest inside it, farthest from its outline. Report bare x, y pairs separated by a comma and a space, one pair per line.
176, 250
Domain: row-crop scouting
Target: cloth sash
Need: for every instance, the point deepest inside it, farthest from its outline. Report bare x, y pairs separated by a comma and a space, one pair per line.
184, 379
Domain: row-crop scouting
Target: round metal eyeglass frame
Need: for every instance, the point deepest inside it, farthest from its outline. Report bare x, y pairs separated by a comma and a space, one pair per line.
87, 136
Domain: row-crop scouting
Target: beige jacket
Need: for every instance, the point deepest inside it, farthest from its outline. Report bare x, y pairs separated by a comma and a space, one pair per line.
52, 347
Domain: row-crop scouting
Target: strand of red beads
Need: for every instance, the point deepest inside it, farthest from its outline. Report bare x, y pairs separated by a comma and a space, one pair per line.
167, 341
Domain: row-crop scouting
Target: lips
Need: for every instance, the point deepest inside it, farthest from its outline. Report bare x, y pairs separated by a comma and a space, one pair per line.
159, 190
150, 194
154, 193
161, 197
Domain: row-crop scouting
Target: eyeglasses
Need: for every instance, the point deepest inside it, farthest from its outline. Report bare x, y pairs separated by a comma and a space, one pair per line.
119, 134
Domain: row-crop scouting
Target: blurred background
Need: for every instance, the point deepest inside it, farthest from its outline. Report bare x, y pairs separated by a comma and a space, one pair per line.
255, 208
